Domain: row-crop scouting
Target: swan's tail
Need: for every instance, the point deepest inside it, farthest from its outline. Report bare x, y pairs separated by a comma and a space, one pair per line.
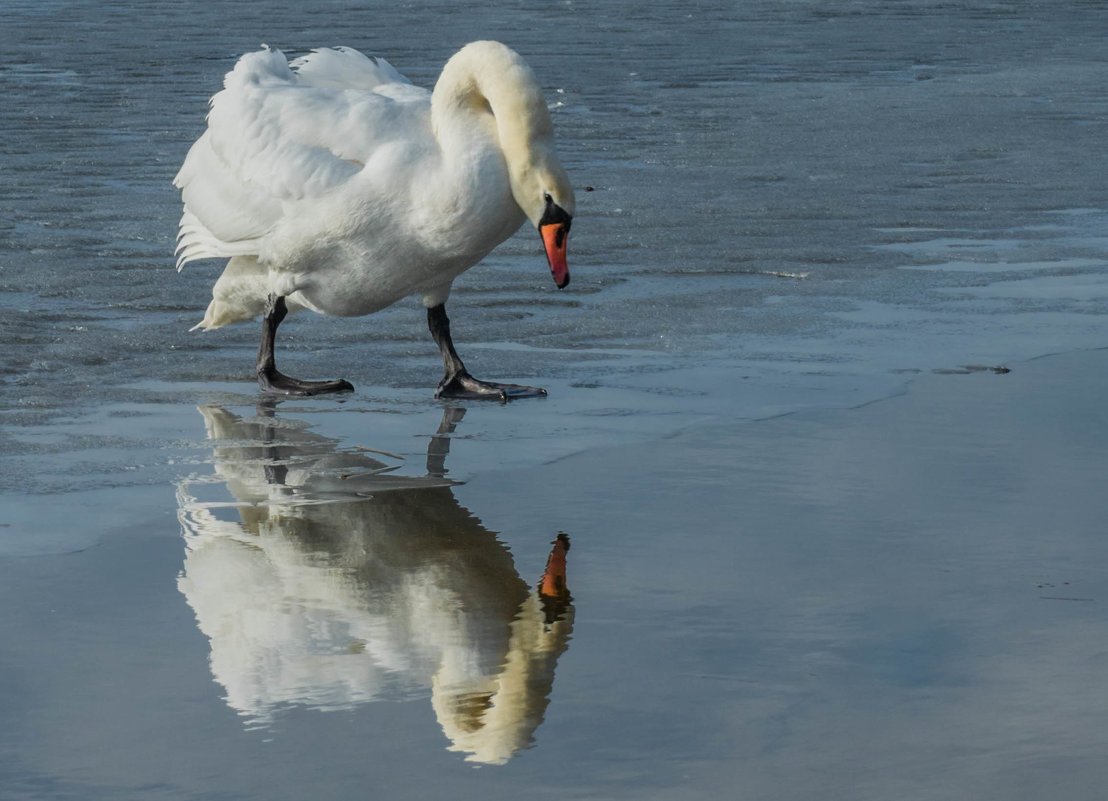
195, 241
238, 295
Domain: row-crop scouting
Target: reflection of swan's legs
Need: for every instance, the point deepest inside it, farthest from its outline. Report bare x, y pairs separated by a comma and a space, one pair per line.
266, 406
269, 378
439, 446
458, 383
275, 472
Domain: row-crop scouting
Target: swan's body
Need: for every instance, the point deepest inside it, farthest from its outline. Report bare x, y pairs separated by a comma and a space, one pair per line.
334, 184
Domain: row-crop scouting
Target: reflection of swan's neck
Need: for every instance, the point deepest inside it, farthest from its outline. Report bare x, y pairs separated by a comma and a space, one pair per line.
492, 717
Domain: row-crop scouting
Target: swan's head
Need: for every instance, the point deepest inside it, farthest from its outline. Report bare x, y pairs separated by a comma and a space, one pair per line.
541, 188
539, 183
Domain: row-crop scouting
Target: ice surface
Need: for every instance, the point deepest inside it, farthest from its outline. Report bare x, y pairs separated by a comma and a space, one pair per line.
782, 207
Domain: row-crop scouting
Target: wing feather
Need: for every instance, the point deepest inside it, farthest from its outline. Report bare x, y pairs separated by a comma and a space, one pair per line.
278, 135
345, 68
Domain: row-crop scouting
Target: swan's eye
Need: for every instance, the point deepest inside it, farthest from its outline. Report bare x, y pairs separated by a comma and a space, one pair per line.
554, 214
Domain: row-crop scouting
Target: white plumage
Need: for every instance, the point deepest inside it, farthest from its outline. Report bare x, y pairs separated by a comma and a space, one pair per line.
334, 184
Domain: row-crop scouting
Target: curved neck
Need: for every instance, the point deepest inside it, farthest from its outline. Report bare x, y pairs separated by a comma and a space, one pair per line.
488, 83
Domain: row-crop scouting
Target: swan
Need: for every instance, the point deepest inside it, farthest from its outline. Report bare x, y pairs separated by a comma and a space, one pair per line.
332, 183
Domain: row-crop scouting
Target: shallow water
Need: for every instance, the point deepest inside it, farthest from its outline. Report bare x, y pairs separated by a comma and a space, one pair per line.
783, 207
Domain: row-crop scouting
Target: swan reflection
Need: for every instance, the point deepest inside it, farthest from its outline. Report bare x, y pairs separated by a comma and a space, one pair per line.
329, 582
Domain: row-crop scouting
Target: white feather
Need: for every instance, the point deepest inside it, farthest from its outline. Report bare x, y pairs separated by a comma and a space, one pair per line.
345, 68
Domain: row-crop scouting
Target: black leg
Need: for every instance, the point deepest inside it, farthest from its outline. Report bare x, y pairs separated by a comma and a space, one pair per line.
458, 383
270, 379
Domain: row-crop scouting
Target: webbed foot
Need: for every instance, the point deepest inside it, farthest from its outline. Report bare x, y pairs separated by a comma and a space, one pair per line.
274, 382
463, 386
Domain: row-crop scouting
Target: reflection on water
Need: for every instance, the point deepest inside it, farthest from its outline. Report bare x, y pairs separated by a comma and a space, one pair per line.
329, 582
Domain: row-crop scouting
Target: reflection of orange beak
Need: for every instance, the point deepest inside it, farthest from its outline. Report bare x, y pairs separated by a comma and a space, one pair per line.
553, 583
554, 236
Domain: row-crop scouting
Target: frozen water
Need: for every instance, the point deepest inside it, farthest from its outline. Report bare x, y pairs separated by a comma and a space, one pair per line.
783, 206
729, 150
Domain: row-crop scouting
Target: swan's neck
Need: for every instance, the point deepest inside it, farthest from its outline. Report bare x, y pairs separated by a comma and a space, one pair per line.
488, 86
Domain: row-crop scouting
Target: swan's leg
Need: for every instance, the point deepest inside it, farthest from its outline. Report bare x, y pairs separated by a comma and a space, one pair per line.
458, 383
273, 381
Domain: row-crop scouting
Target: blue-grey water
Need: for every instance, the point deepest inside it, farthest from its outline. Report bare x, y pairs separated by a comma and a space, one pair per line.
823, 545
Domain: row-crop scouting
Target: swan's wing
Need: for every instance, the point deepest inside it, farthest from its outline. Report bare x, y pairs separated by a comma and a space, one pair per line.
345, 68
276, 136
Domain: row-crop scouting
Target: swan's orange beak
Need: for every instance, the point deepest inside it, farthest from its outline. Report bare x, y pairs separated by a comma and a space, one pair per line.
554, 236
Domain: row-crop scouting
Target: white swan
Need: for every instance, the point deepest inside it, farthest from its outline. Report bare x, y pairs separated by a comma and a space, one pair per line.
334, 184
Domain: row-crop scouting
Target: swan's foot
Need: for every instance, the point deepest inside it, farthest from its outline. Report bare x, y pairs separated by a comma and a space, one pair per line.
458, 383
463, 386
274, 382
